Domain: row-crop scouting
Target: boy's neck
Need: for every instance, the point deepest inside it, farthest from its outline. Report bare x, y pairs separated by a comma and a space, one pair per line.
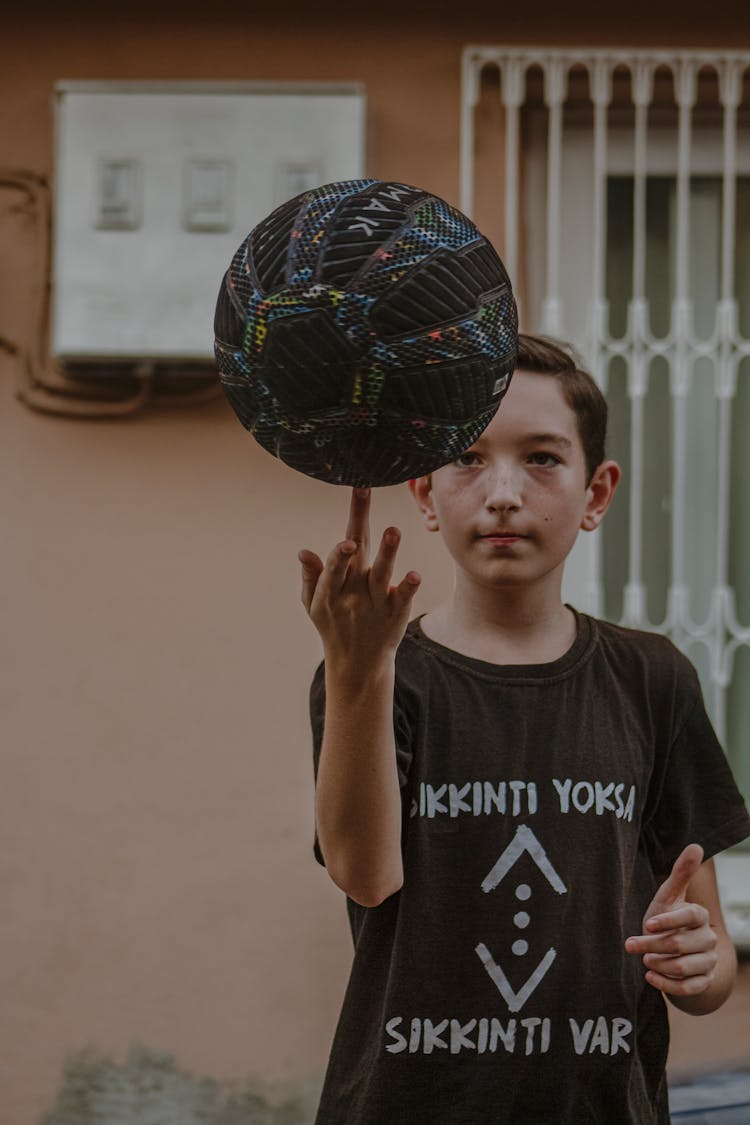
503, 626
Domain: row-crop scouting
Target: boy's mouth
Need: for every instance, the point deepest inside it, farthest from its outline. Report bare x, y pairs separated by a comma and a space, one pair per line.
502, 537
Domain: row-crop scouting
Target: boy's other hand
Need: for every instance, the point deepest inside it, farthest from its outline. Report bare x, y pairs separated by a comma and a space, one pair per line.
353, 605
678, 944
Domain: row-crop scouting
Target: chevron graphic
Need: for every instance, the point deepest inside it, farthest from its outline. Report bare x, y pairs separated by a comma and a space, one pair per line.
523, 841
514, 1000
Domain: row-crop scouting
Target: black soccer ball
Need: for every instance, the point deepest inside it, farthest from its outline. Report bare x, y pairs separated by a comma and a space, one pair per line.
365, 332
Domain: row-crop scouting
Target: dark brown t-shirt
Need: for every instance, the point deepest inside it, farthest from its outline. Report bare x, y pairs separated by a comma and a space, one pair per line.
542, 806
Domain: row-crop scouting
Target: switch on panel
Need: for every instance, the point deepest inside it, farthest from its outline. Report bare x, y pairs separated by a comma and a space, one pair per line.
294, 178
118, 195
208, 187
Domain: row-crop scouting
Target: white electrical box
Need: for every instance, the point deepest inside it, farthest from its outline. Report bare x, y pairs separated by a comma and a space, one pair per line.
155, 187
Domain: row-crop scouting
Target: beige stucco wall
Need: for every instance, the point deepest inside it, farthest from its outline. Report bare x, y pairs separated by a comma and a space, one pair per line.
157, 877
155, 865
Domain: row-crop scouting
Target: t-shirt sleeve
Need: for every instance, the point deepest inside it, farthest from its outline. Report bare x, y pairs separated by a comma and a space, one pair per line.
698, 801
401, 730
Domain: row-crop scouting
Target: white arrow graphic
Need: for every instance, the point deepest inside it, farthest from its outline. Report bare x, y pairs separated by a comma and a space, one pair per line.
514, 1000
523, 841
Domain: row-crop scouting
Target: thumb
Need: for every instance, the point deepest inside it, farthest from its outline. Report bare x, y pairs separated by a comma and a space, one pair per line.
675, 886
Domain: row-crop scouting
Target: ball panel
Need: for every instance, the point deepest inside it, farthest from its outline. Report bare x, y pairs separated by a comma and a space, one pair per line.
458, 390
372, 216
308, 362
229, 320
315, 225
490, 332
441, 288
269, 244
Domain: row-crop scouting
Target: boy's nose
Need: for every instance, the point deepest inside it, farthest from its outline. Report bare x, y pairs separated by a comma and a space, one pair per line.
503, 490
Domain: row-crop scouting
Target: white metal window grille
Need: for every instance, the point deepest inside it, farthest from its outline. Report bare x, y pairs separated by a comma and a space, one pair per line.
625, 202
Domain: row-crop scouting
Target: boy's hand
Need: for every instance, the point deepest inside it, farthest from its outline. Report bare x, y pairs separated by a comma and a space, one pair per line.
678, 944
357, 612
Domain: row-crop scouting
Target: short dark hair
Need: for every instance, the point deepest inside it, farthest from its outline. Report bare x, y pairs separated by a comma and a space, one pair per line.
551, 357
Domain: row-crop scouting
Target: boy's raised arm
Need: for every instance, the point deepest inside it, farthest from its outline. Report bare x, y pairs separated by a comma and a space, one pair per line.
361, 619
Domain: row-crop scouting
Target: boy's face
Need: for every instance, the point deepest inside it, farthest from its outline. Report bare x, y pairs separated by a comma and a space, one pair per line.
510, 508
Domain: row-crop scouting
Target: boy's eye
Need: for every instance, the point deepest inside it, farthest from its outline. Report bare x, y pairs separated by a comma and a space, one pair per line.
466, 459
544, 459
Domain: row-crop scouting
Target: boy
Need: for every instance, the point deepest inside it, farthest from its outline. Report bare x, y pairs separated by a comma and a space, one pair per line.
520, 802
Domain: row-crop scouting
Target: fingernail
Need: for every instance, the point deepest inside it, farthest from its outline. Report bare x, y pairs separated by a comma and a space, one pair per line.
348, 548
362, 493
391, 538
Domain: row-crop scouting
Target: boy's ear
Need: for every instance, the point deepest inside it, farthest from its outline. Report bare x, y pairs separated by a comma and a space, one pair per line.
599, 494
421, 490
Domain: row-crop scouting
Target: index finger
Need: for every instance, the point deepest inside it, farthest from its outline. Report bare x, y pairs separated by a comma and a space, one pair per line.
358, 527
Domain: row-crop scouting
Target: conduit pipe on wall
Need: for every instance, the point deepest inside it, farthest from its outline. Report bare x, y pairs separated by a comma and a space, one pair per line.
47, 389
